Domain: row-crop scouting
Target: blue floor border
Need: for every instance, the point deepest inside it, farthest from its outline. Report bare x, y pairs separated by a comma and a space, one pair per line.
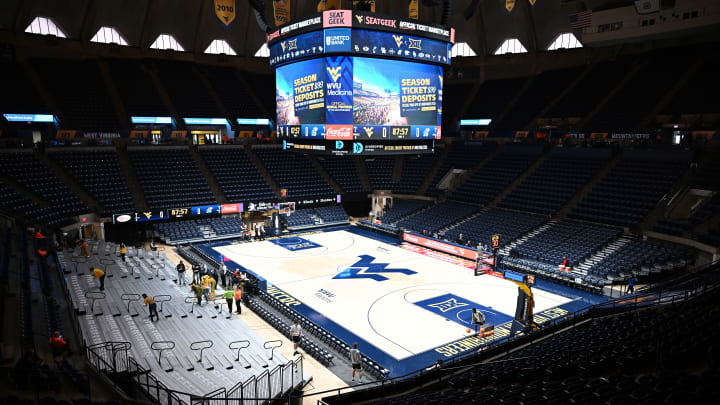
580, 299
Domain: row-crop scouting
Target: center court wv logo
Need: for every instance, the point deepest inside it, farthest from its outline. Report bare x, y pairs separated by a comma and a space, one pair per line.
334, 72
365, 268
448, 304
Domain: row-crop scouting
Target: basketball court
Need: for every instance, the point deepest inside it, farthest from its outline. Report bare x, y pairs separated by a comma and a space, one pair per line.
405, 309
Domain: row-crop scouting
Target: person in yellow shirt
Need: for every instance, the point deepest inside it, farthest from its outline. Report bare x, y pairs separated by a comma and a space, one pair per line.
206, 283
84, 249
123, 251
152, 306
100, 275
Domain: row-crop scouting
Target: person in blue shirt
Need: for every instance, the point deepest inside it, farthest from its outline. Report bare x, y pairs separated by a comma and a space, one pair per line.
631, 285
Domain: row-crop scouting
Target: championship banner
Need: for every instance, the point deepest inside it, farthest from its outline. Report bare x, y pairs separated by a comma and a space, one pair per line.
509, 5
225, 11
413, 9
371, 3
282, 11
323, 5
532, 2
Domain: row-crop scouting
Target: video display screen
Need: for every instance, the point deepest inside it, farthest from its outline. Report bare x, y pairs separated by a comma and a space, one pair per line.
345, 97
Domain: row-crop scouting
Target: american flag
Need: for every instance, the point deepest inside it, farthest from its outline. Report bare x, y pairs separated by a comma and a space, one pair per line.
581, 20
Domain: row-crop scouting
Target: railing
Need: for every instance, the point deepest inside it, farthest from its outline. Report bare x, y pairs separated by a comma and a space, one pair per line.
193, 301
233, 346
161, 299
156, 267
272, 345
129, 298
78, 260
94, 296
162, 346
201, 345
106, 266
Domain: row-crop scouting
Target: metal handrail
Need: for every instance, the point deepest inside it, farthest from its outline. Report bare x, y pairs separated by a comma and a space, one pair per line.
158, 346
130, 297
194, 347
106, 263
230, 346
162, 298
94, 296
193, 301
272, 348
156, 267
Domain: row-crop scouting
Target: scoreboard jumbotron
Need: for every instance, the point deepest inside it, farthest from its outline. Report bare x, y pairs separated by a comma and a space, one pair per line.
356, 83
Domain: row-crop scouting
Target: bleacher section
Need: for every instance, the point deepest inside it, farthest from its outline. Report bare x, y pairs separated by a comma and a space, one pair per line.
641, 257
460, 156
98, 172
25, 98
593, 87
632, 103
493, 96
169, 177
510, 225
237, 175
556, 180
633, 187
187, 92
27, 170
402, 208
642, 356
136, 89
380, 171
543, 90
80, 93
572, 239
313, 217
343, 170
192, 348
437, 217
294, 172
232, 94
414, 170
491, 179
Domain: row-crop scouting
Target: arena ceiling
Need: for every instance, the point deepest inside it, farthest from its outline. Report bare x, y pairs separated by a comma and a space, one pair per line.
194, 23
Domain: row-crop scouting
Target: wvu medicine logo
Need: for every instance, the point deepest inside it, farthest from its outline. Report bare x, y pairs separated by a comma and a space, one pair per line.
365, 268
334, 72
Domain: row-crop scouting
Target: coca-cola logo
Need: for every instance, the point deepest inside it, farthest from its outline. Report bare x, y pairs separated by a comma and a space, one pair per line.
341, 132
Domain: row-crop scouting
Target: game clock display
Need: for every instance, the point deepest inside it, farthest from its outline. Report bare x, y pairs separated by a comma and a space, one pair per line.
357, 98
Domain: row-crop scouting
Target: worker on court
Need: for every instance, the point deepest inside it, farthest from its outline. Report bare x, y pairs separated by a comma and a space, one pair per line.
152, 306
478, 319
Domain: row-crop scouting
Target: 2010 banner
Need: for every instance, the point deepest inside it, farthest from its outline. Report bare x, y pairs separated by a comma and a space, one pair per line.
281, 9
225, 11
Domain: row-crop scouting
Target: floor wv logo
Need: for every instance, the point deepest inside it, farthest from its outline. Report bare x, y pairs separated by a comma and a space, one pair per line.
366, 268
